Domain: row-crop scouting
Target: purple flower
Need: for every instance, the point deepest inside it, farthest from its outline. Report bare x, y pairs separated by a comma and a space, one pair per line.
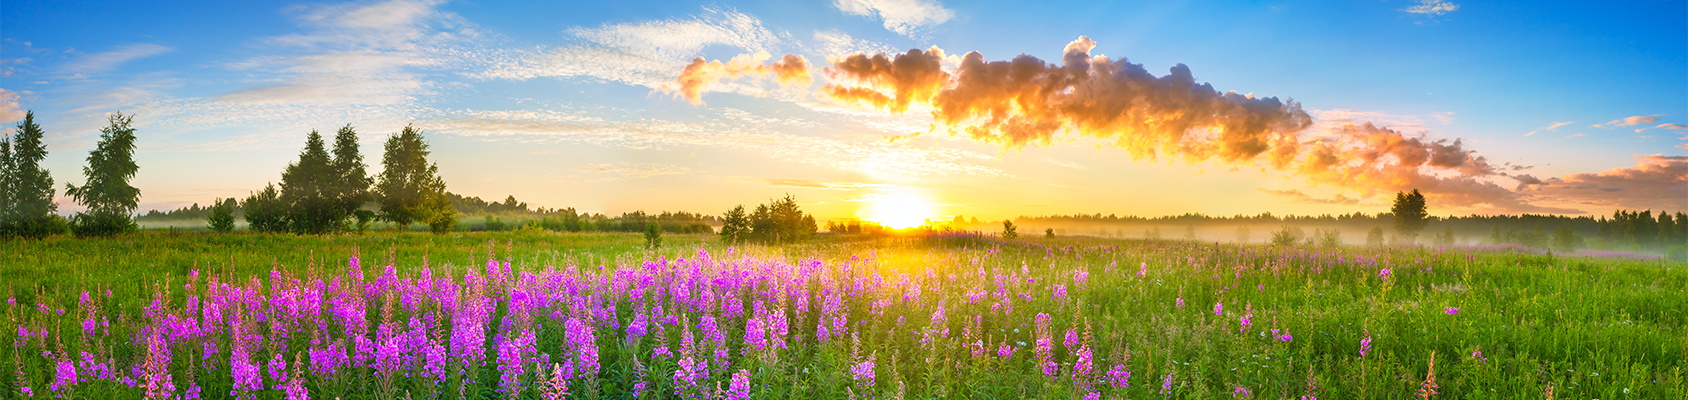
1365, 346
863, 373
1219, 308
739, 389
1451, 310
1385, 273
1180, 302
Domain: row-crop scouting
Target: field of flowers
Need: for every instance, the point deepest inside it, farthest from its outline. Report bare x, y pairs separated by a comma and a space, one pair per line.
950, 316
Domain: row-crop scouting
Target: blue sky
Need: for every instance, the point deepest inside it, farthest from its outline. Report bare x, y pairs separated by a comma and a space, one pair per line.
565, 104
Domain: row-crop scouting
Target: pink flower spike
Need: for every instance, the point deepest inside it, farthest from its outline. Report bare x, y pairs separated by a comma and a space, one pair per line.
1451, 310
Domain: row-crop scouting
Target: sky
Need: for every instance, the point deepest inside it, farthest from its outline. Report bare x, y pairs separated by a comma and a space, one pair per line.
889, 109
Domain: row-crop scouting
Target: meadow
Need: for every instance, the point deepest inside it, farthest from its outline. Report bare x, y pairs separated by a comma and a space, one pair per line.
559, 315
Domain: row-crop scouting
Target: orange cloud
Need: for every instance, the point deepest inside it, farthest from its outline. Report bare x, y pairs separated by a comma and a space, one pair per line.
699, 74
1656, 182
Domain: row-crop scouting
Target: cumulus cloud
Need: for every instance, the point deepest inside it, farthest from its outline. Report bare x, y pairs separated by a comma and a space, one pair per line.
641, 53
9, 108
901, 16
1432, 8
1655, 182
1027, 101
106, 61
791, 70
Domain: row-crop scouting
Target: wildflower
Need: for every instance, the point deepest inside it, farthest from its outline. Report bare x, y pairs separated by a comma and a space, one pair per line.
1429, 387
1245, 323
1385, 273
1045, 351
1143, 269
1240, 392
863, 373
1004, 350
1219, 308
1451, 310
1477, 354
1092, 396
1119, 377
1166, 384
739, 389
1180, 302
1365, 345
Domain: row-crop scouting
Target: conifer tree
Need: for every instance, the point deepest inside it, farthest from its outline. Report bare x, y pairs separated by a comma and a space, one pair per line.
735, 226
107, 194
307, 190
8, 202
351, 189
410, 189
30, 210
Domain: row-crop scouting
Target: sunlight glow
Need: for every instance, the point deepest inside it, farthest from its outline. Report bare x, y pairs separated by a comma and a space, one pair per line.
899, 210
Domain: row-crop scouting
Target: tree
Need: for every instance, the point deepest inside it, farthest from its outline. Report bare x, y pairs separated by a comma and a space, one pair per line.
1446, 238
1190, 233
735, 226
29, 210
1374, 237
653, 235
1329, 238
1008, 230
265, 212
1287, 236
350, 190
1566, 240
410, 189
1410, 215
222, 216
107, 194
781, 221
1242, 233
1049, 232
307, 190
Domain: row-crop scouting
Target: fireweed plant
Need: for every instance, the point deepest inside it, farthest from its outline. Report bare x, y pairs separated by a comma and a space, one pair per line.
944, 316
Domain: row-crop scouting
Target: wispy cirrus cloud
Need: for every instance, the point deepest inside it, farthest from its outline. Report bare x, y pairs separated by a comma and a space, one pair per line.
1628, 121
904, 17
649, 53
1297, 196
1554, 126
621, 171
107, 60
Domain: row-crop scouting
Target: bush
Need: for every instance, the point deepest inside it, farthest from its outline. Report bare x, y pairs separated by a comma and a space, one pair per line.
1287, 236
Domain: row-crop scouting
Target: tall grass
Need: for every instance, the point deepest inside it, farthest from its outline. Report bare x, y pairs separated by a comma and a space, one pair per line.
948, 316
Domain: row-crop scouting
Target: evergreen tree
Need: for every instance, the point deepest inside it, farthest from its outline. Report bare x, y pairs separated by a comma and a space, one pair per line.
410, 189
1009, 231
351, 189
1410, 215
221, 218
30, 211
107, 194
8, 202
307, 190
653, 235
735, 225
265, 212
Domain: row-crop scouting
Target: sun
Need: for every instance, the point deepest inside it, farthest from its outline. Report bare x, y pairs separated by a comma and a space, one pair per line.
899, 210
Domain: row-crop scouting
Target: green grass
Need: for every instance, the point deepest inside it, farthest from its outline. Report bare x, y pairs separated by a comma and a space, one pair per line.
1589, 328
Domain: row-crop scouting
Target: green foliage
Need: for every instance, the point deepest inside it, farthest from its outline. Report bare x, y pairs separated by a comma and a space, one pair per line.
1048, 233
265, 212
1328, 238
350, 190
1410, 214
107, 194
653, 236
735, 226
409, 187
1009, 230
27, 208
307, 190
222, 216
1287, 236
494, 224
781, 221
1374, 237
1566, 240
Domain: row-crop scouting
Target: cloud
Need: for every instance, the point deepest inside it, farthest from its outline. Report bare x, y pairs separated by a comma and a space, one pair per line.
9, 108
1677, 127
1555, 125
1432, 8
1065, 164
1026, 101
357, 54
106, 61
1297, 196
835, 42
643, 53
1655, 182
900, 16
622, 171
1628, 121
805, 183
732, 129
791, 70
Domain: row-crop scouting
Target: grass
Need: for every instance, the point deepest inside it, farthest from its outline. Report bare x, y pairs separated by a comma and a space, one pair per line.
1526, 324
